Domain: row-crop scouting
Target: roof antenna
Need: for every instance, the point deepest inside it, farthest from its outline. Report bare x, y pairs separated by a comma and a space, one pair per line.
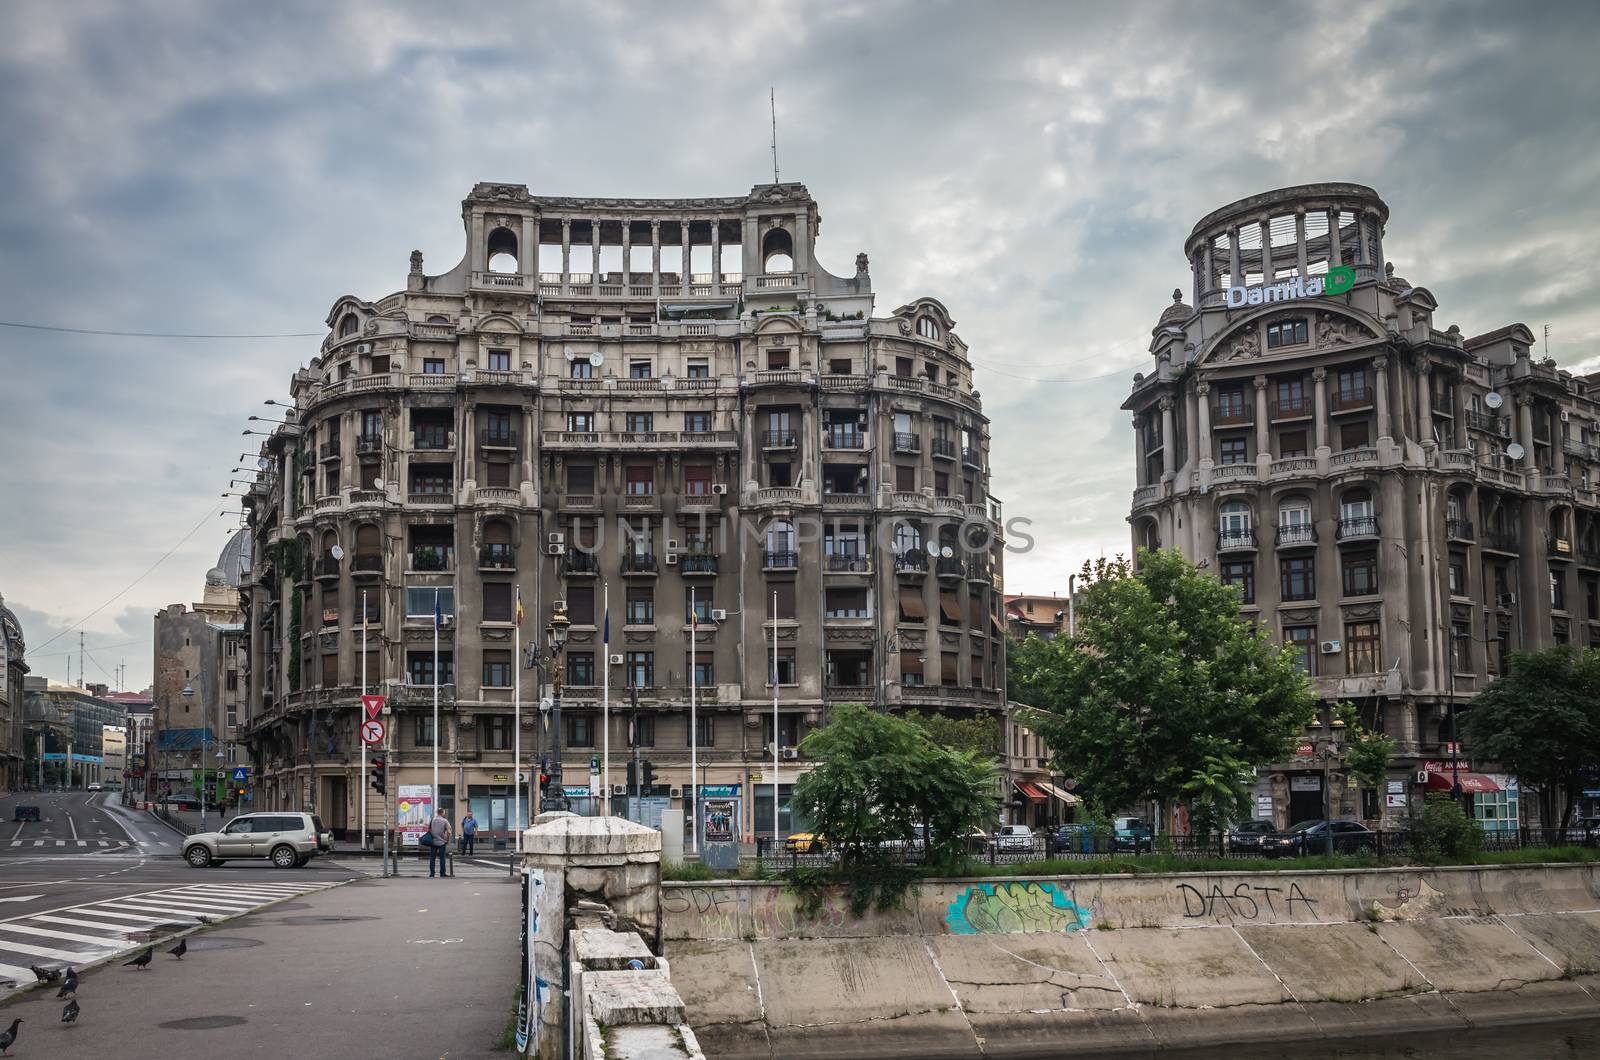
772, 99
1546, 327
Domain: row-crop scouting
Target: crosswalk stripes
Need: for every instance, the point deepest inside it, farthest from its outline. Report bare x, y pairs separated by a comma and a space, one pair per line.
97, 844
81, 934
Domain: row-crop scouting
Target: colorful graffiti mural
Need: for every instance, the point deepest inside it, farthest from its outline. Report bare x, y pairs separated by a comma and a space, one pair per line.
992, 908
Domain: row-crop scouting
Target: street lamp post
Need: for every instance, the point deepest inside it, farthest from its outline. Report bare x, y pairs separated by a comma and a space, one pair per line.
551, 660
1325, 749
188, 693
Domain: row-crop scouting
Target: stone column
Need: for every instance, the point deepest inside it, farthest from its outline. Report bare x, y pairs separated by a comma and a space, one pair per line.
686, 264
1425, 403
1558, 453
1235, 278
1266, 249
566, 253
627, 251
716, 255
528, 252
1525, 432
1203, 399
1334, 249
1140, 451
1191, 427
1319, 387
1363, 249
1462, 436
655, 255
1169, 441
1263, 424
1207, 274
594, 252
1380, 366
1300, 238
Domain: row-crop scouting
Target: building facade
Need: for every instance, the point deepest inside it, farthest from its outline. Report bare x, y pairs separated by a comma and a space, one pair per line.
1402, 503
662, 411
66, 727
13, 670
1036, 616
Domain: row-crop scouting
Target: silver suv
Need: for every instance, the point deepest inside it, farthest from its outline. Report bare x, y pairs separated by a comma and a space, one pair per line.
288, 840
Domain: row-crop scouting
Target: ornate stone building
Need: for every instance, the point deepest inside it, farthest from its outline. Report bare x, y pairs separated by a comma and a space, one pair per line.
13, 668
619, 405
1400, 502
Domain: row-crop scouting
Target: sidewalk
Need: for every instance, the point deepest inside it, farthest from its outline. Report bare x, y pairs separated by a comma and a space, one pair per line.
395, 968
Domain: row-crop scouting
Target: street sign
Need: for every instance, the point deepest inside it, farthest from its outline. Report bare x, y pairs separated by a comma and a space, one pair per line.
373, 705
241, 774
372, 731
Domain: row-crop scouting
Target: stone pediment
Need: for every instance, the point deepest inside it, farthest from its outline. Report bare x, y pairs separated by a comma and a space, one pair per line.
1326, 329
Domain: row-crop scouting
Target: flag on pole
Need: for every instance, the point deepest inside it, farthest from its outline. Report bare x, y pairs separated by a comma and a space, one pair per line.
519, 605
605, 629
438, 612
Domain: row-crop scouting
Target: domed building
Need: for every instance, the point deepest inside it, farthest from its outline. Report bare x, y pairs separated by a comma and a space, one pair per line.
12, 670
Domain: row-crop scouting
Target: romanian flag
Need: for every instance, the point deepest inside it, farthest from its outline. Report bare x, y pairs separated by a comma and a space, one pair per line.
519, 605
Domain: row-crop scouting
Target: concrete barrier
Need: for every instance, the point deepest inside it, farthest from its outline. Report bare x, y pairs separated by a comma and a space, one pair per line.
1088, 965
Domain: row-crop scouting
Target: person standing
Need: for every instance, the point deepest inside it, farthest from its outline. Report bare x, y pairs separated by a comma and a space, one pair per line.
469, 834
439, 852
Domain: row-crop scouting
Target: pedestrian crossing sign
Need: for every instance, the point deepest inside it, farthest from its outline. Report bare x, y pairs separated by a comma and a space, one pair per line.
240, 774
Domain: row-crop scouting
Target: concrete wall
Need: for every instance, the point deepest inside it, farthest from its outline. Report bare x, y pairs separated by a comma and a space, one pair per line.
1084, 965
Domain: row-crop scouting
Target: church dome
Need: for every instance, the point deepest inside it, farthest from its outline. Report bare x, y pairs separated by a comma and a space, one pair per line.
1176, 313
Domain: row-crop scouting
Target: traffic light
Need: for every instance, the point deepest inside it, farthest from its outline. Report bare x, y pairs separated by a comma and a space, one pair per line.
380, 779
632, 774
647, 776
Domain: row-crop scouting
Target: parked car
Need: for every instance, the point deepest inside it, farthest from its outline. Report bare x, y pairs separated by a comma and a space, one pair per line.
1584, 831
913, 845
1245, 837
1014, 839
1131, 833
26, 813
977, 841
1072, 839
288, 840
1311, 838
96, 787
185, 800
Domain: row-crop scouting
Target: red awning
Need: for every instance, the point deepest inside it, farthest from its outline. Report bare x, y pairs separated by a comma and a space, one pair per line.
1471, 783
1034, 794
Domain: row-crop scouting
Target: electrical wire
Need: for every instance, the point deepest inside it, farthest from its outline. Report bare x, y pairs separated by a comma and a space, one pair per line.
98, 647
1038, 379
125, 589
157, 334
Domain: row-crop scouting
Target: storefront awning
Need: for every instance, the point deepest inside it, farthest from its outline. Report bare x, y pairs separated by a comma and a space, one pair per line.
1471, 783
1067, 798
1033, 794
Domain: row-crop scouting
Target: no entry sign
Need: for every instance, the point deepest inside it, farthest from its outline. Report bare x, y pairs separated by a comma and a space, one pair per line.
372, 731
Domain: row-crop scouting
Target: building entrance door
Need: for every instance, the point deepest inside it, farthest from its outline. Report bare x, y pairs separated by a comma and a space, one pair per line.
1305, 798
335, 809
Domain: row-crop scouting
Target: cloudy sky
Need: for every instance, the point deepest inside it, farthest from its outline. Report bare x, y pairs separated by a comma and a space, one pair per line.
226, 168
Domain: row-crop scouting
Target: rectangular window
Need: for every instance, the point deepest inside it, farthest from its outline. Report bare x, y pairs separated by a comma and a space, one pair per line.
1298, 577
700, 608
580, 669
787, 674
330, 670
777, 360
580, 603
697, 422
641, 605
1461, 646
641, 479
941, 484
499, 360
497, 428
497, 474
419, 668
497, 730
233, 681
496, 669
1291, 443
580, 422
1458, 574
422, 730
1360, 573
580, 730
784, 591
1353, 387
699, 368
371, 426
1303, 640
642, 730
419, 601
1231, 405
497, 603
430, 480
639, 370
1353, 435
788, 733
1287, 333
838, 367
707, 735
580, 478
639, 423
846, 603
905, 479
1290, 397
641, 670
433, 366
1558, 591
1234, 450
697, 480
1591, 597
1243, 574
705, 672
1361, 647
580, 369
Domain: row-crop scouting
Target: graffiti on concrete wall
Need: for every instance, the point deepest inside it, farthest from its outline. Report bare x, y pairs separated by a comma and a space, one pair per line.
768, 912
989, 908
1246, 902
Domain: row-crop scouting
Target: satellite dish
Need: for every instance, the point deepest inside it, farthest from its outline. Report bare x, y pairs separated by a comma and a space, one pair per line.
596, 359
336, 552
1515, 451
947, 552
570, 355
377, 483
1493, 400
263, 463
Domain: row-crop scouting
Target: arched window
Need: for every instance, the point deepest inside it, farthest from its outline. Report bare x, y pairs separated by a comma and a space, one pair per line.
927, 327
348, 325
437, 319
780, 540
1233, 524
907, 537
1452, 508
777, 251
502, 251
1149, 535
1357, 504
496, 543
329, 539
1294, 512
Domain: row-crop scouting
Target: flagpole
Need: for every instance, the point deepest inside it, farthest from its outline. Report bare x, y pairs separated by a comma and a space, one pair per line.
516, 724
438, 616
694, 728
605, 709
362, 717
775, 724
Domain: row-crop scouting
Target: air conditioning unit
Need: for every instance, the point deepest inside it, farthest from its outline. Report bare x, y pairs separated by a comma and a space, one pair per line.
1566, 417
1331, 647
619, 789
672, 545
675, 793
1506, 599
616, 660
718, 615
556, 550
557, 539
789, 752
672, 559
719, 489
366, 347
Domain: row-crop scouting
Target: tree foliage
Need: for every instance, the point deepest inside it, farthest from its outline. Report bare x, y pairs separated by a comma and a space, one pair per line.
1165, 692
878, 777
1541, 722
980, 734
1366, 753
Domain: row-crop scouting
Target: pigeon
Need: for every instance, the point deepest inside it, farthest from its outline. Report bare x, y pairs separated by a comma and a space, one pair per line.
203, 919
142, 961
180, 949
70, 1013
45, 975
8, 1038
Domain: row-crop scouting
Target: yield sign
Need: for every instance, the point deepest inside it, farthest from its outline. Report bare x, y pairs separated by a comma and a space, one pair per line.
373, 705
372, 732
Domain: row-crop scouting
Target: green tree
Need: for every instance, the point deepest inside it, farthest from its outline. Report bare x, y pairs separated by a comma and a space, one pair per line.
1541, 722
980, 734
878, 777
1165, 692
1366, 753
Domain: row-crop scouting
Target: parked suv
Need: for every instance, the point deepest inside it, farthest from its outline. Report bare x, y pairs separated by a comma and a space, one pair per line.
288, 840
1014, 839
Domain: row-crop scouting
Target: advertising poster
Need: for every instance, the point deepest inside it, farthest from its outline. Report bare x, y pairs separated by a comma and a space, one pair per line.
415, 812
719, 821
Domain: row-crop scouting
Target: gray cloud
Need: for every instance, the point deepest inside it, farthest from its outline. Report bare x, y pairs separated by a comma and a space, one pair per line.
201, 167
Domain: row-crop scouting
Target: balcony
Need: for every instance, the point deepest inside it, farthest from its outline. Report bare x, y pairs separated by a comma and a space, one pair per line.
497, 557
778, 377
846, 500
329, 450
1236, 539
1242, 471
779, 560
846, 564
501, 281
913, 563
972, 456
579, 502
428, 559
1350, 400
497, 439
949, 567
433, 441
1458, 530
369, 444
979, 570
697, 563
364, 566
1358, 528
1558, 547
1351, 457
639, 563
641, 501
430, 496
907, 443
1297, 535
1483, 421
944, 449
839, 438
1294, 408
778, 439
1501, 541
1231, 415
577, 563
327, 569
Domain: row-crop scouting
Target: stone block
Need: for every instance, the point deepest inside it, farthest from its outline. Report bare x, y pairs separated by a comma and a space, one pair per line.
1334, 962
653, 1042
1187, 967
717, 981
1572, 940
583, 838
615, 998
818, 981
609, 950
1468, 954
1030, 972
